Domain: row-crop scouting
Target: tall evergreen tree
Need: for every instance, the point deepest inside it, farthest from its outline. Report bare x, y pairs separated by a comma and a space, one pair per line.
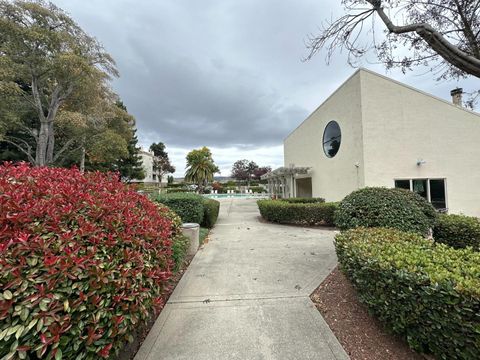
130, 167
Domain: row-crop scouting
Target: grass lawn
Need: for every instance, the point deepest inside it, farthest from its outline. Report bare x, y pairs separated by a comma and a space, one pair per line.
203, 234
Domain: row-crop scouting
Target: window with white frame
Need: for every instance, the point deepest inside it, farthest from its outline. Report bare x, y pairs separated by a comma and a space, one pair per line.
434, 190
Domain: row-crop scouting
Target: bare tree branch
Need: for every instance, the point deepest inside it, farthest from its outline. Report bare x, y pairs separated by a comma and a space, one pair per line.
27, 151
63, 149
437, 41
445, 31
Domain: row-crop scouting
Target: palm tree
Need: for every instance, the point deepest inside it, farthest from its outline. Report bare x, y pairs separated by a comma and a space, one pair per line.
200, 168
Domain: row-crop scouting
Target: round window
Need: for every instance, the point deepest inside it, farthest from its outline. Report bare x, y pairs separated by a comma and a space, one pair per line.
332, 137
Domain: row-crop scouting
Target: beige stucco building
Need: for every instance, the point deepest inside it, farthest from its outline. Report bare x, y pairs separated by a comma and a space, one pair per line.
152, 177
374, 131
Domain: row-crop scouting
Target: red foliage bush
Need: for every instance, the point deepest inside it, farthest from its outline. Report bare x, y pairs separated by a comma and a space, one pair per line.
83, 260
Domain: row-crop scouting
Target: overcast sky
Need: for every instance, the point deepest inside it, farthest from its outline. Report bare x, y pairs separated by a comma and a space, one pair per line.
227, 74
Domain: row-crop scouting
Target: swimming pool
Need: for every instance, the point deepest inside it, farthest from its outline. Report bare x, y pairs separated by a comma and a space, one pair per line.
238, 196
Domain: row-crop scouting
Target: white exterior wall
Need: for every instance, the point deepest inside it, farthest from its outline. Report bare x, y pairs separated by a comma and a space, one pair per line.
332, 178
386, 128
402, 125
147, 164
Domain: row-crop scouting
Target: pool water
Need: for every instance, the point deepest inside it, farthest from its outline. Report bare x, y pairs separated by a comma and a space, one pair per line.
240, 196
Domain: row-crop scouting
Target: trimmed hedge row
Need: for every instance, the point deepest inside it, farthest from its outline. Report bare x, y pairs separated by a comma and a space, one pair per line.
283, 212
303, 200
381, 207
458, 231
180, 243
188, 206
178, 190
192, 208
211, 209
428, 293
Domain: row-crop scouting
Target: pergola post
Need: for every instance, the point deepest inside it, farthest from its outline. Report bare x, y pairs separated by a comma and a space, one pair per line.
282, 181
292, 179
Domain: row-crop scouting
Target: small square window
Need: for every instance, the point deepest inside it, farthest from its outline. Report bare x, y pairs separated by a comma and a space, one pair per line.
433, 190
402, 184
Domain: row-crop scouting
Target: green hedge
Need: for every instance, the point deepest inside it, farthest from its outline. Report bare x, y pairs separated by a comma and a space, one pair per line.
381, 207
176, 185
180, 246
283, 212
458, 231
180, 242
428, 293
210, 215
304, 200
177, 190
425, 207
188, 206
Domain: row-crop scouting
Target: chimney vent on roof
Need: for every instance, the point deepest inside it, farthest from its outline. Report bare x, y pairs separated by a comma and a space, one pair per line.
457, 96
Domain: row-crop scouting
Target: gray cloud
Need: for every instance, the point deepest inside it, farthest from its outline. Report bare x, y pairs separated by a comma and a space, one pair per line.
225, 74
213, 105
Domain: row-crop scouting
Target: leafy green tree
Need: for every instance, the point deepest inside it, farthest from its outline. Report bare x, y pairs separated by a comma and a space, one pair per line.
42, 47
161, 161
102, 132
108, 135
200, 167
106, 139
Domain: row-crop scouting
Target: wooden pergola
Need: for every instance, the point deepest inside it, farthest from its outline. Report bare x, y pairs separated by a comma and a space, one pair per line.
281, 181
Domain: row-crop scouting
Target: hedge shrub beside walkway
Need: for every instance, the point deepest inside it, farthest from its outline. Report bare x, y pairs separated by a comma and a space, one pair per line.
192, 208
381, 207
187, 205
429, 293
284, 212
211, 209
458, 231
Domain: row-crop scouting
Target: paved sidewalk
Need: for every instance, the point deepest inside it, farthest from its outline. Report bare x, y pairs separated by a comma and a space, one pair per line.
246, 295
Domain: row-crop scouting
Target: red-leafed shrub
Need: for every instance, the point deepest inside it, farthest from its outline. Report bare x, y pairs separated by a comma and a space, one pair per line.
83, 260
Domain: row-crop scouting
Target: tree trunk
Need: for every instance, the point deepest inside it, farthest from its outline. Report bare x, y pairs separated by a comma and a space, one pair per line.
46, 136
82, 159
52, 113
50, 143
41, 151
200, 187
83, 152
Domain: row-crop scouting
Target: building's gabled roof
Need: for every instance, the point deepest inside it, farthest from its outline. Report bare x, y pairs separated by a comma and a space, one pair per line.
417, 90
359, 71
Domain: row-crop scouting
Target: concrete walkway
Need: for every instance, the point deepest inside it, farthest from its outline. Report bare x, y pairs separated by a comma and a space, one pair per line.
246, 295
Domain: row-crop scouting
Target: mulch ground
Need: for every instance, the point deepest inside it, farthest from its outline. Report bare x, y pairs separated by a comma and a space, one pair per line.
362, 336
